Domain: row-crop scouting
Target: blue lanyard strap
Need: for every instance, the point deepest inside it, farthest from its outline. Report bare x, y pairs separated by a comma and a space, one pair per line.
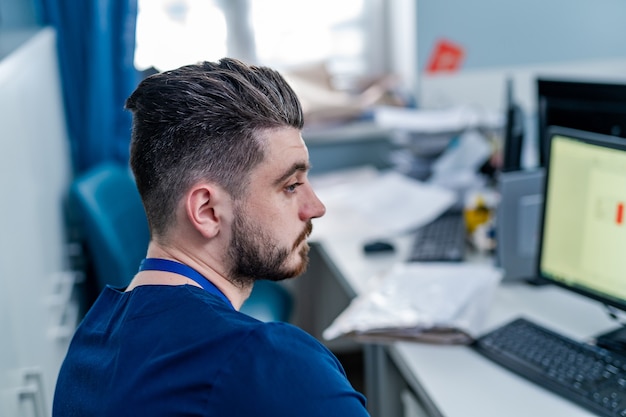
165, 265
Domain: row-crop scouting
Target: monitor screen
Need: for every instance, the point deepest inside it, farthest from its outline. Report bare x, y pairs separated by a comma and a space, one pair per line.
598, 107
583, 234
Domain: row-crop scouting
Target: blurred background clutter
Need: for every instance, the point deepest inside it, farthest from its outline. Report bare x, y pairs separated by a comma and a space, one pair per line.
414, 111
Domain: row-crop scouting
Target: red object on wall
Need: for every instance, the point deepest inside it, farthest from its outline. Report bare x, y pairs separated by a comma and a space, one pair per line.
446, 57
620, 213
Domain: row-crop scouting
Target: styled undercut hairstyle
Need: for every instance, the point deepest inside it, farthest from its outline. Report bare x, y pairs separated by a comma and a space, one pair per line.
204, 122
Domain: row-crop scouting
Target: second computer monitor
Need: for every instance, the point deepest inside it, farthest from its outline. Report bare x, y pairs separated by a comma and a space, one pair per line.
593, 106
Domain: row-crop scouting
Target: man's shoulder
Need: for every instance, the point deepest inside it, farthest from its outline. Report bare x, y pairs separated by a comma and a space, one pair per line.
277, 331
285, 340
312, 380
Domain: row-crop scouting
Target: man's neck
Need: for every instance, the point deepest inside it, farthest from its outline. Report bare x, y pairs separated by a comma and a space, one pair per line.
236, 295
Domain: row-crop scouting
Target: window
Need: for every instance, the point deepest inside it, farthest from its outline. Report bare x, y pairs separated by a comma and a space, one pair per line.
310, 32
345, 35
171, 33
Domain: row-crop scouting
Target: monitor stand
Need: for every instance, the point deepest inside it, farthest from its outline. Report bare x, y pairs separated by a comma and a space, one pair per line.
615, 340
537, 281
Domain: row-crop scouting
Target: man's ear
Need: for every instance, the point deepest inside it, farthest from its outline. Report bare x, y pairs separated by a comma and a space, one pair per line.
201, 207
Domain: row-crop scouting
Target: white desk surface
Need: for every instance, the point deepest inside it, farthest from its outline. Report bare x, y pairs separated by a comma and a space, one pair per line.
459, 381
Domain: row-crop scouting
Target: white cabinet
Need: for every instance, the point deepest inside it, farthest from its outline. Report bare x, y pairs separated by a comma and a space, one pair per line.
35, 172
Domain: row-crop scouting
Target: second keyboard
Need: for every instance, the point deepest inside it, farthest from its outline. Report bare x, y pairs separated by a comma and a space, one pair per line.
442, 240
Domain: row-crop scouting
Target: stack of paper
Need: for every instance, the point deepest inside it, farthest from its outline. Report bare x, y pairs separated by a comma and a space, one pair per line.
454, 119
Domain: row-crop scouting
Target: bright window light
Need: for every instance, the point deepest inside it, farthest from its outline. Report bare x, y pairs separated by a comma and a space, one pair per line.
287, 33
172, 33
290, 33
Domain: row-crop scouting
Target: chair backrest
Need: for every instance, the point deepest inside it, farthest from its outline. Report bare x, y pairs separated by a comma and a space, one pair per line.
115, 231
269, 301
113, 222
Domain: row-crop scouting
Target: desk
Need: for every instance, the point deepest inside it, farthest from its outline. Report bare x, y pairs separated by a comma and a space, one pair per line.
453, 380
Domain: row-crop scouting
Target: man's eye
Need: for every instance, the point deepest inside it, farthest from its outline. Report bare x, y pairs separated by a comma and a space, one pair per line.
292, 188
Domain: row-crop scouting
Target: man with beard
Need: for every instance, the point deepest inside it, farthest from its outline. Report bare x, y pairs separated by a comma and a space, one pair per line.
221, 167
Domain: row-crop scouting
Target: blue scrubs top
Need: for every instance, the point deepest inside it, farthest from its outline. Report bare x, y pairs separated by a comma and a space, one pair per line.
182, 351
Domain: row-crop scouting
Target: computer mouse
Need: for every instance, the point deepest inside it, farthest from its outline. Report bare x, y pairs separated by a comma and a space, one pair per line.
378, 246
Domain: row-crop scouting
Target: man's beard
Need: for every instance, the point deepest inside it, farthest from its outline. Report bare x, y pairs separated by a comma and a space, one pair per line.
255, 255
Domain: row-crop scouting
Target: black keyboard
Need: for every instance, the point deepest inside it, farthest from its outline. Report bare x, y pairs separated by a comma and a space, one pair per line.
590, 376
442, 240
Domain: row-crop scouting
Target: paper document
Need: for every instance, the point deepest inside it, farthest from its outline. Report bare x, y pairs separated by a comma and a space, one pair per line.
377, 206
440, 303
454, 119
458, 166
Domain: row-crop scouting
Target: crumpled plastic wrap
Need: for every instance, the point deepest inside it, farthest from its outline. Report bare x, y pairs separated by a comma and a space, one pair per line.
437, 303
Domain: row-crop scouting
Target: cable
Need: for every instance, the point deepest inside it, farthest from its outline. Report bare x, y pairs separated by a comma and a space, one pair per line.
613, 313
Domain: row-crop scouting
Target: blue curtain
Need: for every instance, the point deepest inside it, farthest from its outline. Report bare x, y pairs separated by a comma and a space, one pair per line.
96, 42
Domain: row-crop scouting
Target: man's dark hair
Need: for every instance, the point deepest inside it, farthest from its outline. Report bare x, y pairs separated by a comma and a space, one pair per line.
203, 122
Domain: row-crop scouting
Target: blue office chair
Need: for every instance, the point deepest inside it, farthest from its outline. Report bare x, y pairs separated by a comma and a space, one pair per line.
112, 223
269, 301
116, 236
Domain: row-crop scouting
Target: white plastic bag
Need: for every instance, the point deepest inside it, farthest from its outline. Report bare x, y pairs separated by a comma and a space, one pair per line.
439, 302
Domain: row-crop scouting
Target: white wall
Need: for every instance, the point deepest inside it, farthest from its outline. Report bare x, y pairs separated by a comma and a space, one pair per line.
521, 39
485, 87
35, 174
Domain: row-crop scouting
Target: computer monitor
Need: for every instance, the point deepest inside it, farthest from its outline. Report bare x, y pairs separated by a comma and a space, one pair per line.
513, 132
593, 106
583, 232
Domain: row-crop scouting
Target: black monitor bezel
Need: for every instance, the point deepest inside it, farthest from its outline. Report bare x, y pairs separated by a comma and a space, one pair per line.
594, 139
580, 96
